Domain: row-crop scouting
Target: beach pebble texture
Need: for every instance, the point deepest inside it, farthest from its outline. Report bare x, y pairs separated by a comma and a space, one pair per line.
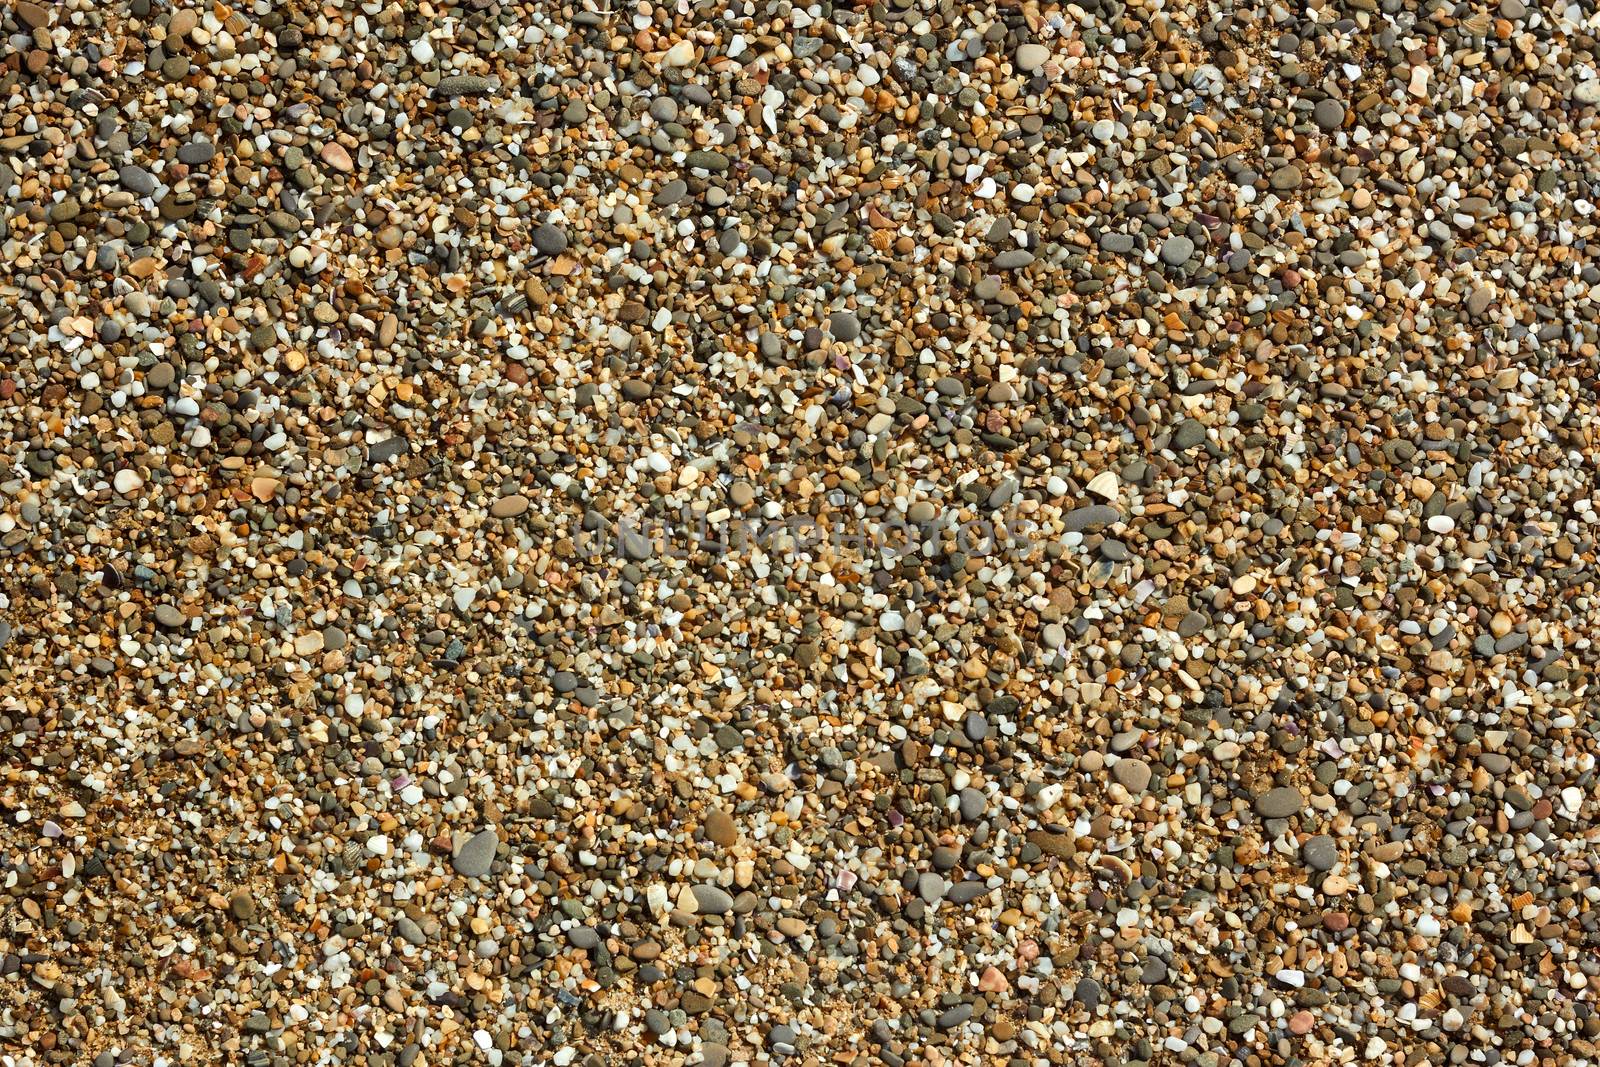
904, 532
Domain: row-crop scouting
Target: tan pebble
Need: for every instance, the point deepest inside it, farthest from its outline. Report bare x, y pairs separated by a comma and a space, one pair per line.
335, 156
509, 507
720, 828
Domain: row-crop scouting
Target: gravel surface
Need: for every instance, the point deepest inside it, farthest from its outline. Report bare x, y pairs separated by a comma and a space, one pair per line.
912, 534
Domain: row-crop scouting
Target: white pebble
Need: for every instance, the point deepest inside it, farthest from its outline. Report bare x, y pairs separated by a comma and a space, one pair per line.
679, 55
1571, 799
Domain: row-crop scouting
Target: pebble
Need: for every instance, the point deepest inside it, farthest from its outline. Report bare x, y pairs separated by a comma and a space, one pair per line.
1177, 250
844, 325
710, 900
1328, 114
509, 507
137, 180
473, 858
1280, 803
337, 156
550, 239
1032, 57
1133, 774
720, 828
1319, 852
1090, 517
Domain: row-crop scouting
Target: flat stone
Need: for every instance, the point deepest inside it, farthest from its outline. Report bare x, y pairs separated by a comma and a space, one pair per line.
1279, 803
337, 156
409, 931
1134, 774
720, 828
1032, 57
476, 854
1320, 852
711, 900
242, 906
1177, 250
463, 85
137, 180
1188, 434
1328, 114
550, 239
1090, 517
844, 325
509, 507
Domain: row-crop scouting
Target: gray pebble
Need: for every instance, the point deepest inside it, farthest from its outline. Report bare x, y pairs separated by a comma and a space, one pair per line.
473, 858
1177, 250
1279, 803
549, 239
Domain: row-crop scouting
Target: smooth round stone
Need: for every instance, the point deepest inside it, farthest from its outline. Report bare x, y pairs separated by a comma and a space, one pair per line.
474, 857
137, 180
1032, 57
509, 507
1089, 517
1177, 250
549, 239
844, 325
1320, 853
1279, 803
721, 829
1118, 243
1188, 434
971, 803
711, 900
1328, 114
1133, 774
